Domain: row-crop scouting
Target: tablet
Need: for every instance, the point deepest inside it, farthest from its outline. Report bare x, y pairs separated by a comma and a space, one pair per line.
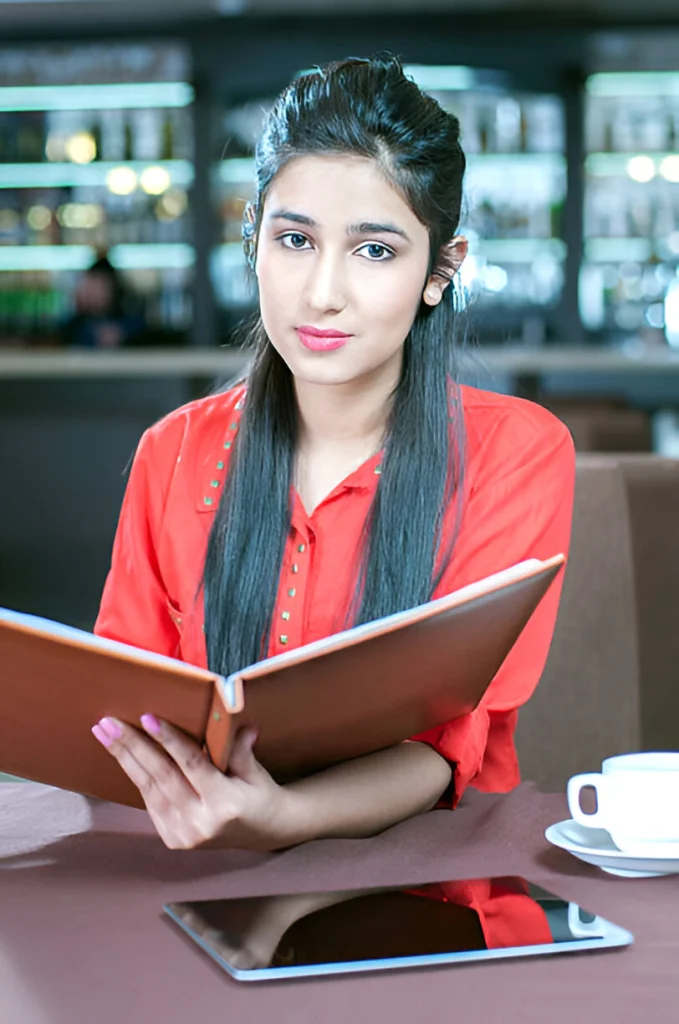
444, 923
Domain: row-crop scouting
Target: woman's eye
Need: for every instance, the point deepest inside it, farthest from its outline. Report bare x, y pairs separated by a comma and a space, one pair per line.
376, 253
294, 240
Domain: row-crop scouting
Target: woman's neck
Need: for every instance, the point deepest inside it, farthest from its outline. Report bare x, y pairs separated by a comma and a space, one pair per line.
340, 427
345, 417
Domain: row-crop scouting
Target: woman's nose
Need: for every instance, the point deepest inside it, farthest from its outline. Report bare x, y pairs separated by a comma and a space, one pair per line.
326, 288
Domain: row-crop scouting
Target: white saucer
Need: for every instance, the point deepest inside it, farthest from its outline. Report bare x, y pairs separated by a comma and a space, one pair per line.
595, 846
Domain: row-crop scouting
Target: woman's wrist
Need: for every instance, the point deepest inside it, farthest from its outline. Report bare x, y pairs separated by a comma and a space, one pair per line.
350, 800
294, 818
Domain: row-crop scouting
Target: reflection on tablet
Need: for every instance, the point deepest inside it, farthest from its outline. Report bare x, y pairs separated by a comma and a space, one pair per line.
371, 929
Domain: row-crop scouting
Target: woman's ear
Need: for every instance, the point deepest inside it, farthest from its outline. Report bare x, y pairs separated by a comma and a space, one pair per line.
451, 258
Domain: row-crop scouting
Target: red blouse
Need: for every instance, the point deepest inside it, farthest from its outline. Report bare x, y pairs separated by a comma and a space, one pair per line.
519, 494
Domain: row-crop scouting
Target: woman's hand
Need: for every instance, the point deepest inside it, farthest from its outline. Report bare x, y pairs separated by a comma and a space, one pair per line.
191, 803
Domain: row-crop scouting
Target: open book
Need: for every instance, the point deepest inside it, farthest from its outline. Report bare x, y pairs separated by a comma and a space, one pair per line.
355, 692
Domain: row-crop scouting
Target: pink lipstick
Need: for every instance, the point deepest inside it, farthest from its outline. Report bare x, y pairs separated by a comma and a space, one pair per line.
318, 340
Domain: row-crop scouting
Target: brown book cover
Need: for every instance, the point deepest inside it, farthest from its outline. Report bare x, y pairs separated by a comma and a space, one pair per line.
358, 691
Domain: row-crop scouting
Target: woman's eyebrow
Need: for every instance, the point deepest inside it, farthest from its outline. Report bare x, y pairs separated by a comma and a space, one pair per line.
296, 218
364, 228
371, 228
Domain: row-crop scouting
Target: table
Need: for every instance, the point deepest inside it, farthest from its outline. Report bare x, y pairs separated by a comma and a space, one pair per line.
82, 938
524, 370
516, 360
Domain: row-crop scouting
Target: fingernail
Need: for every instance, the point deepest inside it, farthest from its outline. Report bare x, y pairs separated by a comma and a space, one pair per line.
111, 728
151, 724
100, 735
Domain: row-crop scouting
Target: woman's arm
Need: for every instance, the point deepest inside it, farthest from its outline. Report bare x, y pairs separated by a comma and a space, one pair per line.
192, 804
367, 795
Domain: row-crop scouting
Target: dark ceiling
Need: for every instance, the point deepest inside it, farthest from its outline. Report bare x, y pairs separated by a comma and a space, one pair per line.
34, 14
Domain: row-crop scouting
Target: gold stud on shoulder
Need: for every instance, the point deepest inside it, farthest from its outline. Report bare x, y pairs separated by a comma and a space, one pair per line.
220, 464
207, 501
283, 639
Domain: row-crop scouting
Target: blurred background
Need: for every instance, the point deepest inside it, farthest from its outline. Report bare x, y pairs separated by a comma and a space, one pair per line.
127, 130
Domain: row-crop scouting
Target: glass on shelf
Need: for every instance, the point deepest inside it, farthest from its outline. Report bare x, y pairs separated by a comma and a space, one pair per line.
631, 208
515, 189
96, 158
33, 305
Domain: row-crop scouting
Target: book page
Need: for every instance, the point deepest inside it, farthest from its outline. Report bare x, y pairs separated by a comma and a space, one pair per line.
61, 631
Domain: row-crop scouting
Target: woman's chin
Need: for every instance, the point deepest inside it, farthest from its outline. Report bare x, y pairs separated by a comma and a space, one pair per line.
338, 367
330, 368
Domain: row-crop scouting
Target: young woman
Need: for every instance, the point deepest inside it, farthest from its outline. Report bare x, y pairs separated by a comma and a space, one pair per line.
346, 478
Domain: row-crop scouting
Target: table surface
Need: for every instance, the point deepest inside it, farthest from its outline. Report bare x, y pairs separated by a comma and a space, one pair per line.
636, 359
82, 936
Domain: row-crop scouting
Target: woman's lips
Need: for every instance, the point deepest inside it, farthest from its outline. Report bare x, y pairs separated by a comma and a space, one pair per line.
322, 341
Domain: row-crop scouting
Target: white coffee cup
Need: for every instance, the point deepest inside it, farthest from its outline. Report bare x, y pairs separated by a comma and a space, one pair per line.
637, 801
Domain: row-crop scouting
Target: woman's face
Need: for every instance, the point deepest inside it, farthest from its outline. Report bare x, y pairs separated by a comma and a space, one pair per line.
342, 267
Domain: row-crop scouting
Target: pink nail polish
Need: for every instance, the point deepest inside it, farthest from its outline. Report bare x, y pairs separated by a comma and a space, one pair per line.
151, 724
111, 728
100, 735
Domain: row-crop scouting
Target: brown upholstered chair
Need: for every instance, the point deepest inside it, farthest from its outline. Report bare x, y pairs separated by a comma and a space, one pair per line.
604, 426
652, 484
586, 706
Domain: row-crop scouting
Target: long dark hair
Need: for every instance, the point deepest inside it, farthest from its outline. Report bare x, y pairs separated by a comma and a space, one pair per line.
369, 108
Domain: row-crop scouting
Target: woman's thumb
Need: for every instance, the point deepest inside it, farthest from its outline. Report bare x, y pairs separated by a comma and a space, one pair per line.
243, 763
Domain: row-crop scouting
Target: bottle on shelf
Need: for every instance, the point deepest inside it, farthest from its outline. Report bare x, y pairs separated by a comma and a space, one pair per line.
33, 305
128, 141
148, 139
168, 137
24, 136
112, 135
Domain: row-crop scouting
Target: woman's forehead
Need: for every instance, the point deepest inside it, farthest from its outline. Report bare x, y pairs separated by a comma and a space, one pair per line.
338, 190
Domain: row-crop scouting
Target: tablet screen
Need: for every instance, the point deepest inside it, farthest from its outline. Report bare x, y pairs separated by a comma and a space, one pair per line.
375, 929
